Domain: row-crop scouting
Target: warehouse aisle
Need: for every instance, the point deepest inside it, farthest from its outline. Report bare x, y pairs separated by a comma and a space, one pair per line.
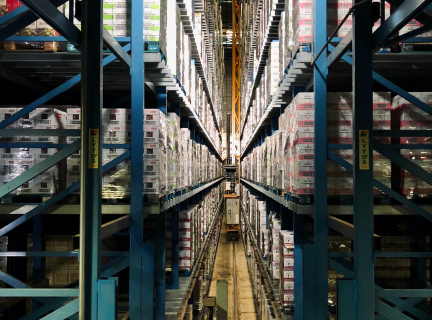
224, 270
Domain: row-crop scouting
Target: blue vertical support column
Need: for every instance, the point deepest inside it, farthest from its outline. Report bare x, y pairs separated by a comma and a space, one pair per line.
298, 266
147, 281
160, 265
320, 222
346, 299
175, 246
141, 259
91, 157
176, 223
363, 164
37, 261
107, 299
161, 98
309, 288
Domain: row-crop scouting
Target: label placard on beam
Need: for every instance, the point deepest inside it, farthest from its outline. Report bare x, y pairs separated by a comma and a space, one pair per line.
364, 150
94, 149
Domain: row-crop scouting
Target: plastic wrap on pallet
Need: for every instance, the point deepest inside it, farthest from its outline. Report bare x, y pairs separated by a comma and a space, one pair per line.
410, 117
302, 180
176, 154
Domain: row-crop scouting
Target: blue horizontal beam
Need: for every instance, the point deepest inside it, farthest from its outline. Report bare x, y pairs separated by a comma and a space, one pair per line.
39, 168
39, 145
384, 254
58, 21
39, 292
50, 95
401, 133
48, 39
13, 14
29, 254
39, 132
403, 254
403, 293
59, 196
35, 145
405, 13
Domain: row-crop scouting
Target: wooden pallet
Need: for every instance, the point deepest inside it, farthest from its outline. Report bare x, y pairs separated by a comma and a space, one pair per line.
48, 46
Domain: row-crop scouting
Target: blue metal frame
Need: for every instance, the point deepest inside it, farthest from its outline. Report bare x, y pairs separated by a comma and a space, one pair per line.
320, 304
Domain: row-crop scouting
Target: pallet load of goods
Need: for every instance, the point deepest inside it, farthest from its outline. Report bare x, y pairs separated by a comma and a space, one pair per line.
275, 247
286, 159
170, 156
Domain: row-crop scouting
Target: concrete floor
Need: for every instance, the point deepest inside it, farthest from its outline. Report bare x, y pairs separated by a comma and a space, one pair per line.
224, 270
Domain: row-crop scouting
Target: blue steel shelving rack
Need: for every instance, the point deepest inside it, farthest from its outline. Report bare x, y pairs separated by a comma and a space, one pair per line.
97, 287
360, 294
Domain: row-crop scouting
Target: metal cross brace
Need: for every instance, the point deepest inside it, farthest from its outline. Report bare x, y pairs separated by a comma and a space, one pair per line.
414, 207
34, 211
345, 268
108, 270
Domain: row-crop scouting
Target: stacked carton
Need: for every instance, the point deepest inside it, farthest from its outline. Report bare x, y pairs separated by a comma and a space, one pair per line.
286, 268
15, 161
176, 154
186, 164
275, 227
156, 152
302, 167
302, 22
186, 245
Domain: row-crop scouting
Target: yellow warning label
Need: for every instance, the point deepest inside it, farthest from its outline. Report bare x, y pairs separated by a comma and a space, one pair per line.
364, 150
94, 149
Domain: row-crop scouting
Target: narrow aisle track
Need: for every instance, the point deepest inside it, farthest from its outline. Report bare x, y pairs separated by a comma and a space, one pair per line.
224, 270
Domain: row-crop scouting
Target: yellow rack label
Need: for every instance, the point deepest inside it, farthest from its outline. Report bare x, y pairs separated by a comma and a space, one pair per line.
364, 150
94, 149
